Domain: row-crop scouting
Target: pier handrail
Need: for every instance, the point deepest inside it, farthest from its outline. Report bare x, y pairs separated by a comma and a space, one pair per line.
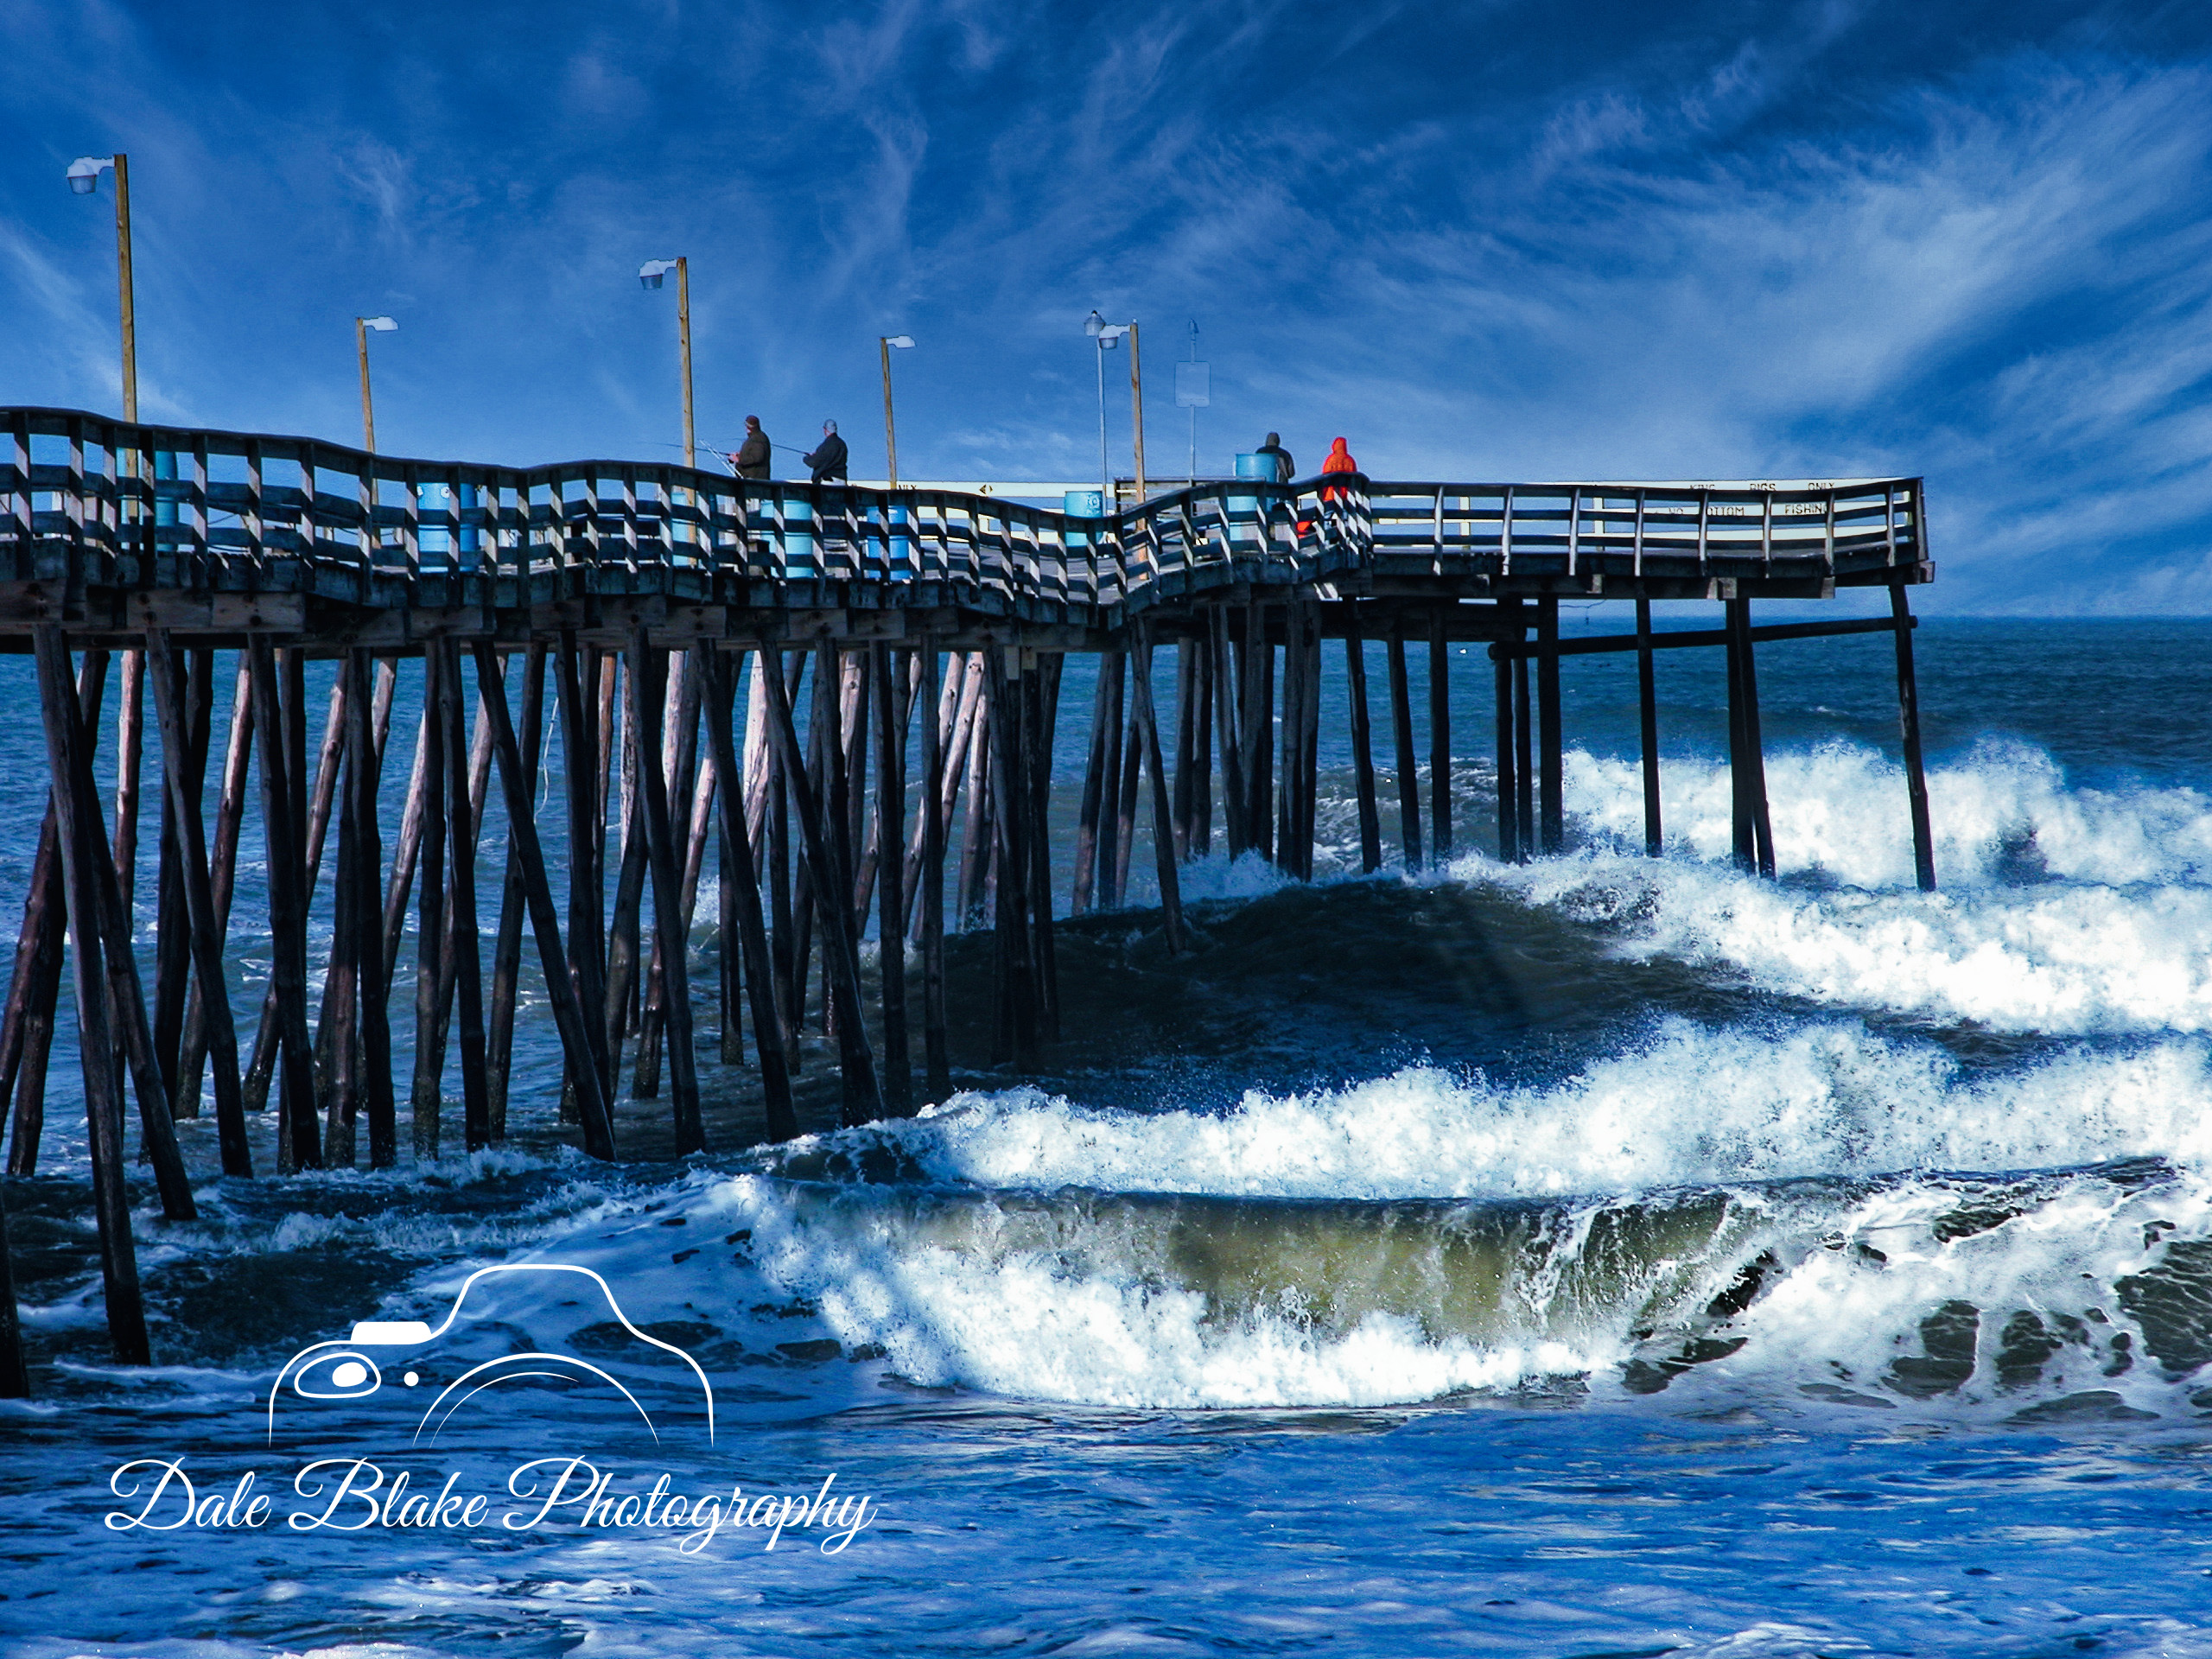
108, 504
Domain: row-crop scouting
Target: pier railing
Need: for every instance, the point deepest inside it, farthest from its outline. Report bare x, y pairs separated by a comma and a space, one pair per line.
90, 501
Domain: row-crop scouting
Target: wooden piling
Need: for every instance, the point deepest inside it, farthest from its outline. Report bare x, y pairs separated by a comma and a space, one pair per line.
587, 943
974, 851
752, 933
34, 993
648, 699
1509, 821
951, 753
1362, 748
298, 1144
1289, 798
936, 1050
1202, 728
1228, 732
130, 748
863, 1095
222, 862
1094, 794
1019, 1020
890, 824
1186, 744
1923, 834
1042, 690
1260, 745
461, 967
205, 940
1401, 728
427, 1096
1309, 741
1754, 835
261, 1066
337, 1037
506, 958
691, 814
568, 1012
364, 773
1551, 775
172, 933
1525, 747
76, 827
1171, 893
1647, 697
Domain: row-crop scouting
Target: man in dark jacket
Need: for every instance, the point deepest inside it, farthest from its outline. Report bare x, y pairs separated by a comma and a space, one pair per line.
751, 460
828, 461
1284, 469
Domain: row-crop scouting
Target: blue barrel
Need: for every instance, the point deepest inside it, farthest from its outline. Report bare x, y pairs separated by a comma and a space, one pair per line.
799, 536
1244, 510
164, 500
432, 538
472, 523
902, 545
1083, 504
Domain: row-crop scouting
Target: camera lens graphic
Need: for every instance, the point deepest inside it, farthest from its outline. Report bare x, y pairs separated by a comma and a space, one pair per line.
341, 1376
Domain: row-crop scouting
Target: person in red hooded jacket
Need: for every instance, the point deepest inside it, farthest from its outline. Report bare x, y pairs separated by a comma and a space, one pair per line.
1340, 461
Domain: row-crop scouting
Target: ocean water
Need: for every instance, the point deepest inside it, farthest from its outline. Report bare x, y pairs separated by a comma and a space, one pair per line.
1600, 1256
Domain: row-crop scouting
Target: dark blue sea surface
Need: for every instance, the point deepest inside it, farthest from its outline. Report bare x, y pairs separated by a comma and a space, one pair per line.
1599, 1256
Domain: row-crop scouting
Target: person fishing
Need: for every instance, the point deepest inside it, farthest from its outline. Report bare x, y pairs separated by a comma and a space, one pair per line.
1285, 471
751, 460
827, 460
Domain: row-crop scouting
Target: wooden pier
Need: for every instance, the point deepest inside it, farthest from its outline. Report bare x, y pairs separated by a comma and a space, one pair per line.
684, 622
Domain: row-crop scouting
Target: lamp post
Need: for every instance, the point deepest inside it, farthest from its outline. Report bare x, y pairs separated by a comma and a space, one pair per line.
1108, 335
362, 328
1136, 407
84, 179
649, 273
1194, 392
884, 343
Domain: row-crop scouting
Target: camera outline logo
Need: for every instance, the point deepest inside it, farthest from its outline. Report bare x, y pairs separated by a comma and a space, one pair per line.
346, 1370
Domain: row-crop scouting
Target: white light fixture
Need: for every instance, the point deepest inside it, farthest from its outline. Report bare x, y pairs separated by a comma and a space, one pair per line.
904, 342
379, 325
85, 173
652, 270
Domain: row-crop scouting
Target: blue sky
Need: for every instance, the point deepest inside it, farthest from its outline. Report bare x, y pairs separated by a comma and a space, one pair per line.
1482, 241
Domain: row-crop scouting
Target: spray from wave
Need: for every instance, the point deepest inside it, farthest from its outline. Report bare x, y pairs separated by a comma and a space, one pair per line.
2063, 911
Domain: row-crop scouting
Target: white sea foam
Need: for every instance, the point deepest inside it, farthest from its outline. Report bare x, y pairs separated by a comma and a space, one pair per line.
1691, 1105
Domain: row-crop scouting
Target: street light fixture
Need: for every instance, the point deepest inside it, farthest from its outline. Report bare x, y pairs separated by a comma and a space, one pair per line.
650, 275
84, 179
362, 327
884, 343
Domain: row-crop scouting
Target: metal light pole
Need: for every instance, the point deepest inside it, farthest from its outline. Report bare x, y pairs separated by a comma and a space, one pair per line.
1136, 401
1107, 335
84, 179
649, 273
884, 343
362, 326
1193, 392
